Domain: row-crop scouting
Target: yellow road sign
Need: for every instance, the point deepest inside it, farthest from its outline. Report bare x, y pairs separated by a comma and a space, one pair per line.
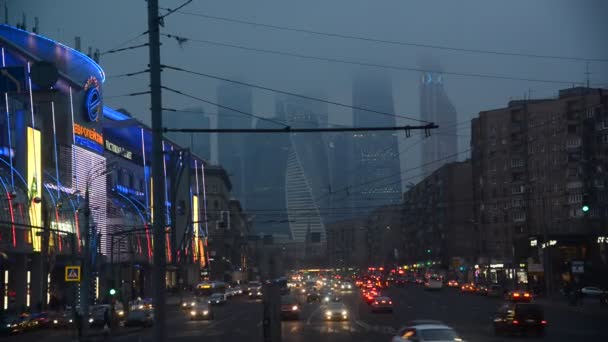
72, 273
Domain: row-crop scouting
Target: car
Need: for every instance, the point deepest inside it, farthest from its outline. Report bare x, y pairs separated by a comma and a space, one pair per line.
312, 297
336, 311
38, 320
467, 288
189, 303
11, 325
231, 292
62, 319
346, 286
290, 308
592, 291
253, 286
201, 311
481, 290
426, 331
495, 291
519, 296
520, 318
140, 318
217, 299
433, 283
400, 281
452, 283
382, 304
255, 292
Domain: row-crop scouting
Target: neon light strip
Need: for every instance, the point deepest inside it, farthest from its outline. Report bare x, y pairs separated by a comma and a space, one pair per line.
27, 297
48, 288
74, 174
204, 199
8, 126
167, 215
77, 230
195, 213
5, 289
29, 81
96, 288
88, 59
58, 235
55, 144
143, 152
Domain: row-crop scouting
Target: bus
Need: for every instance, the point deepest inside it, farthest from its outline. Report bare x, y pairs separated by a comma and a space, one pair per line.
207, 288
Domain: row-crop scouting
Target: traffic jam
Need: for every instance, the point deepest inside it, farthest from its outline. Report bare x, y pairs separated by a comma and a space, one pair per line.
518, 313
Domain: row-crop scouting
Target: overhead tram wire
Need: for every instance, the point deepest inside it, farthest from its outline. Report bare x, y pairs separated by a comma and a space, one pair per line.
116, 47
365, 64
292, 94
392, 42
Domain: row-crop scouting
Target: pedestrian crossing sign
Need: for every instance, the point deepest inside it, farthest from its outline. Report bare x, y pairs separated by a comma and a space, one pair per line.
72, 273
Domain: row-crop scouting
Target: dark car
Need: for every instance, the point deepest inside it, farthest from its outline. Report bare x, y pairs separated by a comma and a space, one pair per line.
290, 308
312, 297
140, 318
520, 318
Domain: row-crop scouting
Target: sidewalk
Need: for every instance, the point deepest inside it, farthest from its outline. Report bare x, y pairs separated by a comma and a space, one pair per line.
586, 305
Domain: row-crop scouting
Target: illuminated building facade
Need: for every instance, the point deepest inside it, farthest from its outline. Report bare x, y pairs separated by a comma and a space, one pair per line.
58, 141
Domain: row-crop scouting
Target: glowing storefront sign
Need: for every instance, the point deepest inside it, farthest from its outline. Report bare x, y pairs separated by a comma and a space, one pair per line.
34, 179
92, 100
61, 188
88, 137
119, 150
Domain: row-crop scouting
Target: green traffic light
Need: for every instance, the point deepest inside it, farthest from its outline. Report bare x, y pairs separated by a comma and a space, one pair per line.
112, 292
585, 208
428, 251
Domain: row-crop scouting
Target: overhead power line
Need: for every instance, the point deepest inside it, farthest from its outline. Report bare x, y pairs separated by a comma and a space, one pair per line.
181, 39
126, 95
129, 74
292, 94
126, 48
393, 42
222, 106
125, 42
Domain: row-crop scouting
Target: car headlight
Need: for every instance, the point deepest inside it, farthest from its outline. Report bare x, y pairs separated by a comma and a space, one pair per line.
328, 313
193, 313
70, 321
120, 313
55, 321
344, 313
193, 303
184, 304
294, 308
8, 325
259, 293
303, 290
141, 306
326, 299
90, 320
205, 312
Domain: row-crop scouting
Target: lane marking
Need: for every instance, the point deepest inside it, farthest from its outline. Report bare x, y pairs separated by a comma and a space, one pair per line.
312, 314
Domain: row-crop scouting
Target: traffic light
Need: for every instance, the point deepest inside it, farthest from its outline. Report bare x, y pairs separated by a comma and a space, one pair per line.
112, 292
585, 207
461, 268
428, 251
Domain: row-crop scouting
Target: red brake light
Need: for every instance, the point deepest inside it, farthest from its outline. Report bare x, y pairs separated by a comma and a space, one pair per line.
515, 322
543, 322
376, 303
390, 302
526, 295
516, 295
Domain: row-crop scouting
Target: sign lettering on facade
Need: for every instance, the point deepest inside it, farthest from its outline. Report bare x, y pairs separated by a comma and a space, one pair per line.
121, 151
88, 133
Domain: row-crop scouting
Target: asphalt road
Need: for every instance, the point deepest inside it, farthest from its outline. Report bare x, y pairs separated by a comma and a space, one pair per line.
470, 315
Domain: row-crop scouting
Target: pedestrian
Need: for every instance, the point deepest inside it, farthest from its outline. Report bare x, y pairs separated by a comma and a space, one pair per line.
106, 321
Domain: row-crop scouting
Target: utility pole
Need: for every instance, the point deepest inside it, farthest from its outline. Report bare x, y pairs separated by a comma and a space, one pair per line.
158, 223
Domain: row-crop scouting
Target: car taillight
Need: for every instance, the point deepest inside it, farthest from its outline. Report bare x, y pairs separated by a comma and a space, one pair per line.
376, 303
543, 322
516, 295
526, 295
515, 322
390, 302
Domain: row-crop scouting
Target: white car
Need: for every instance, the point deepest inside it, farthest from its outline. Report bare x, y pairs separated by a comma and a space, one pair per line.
217, 299
592, 291
433, 283
426, 331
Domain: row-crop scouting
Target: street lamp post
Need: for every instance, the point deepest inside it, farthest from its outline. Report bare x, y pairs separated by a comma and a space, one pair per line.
86, 260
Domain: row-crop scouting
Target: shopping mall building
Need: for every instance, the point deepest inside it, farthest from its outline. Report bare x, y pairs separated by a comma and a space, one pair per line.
58, 141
